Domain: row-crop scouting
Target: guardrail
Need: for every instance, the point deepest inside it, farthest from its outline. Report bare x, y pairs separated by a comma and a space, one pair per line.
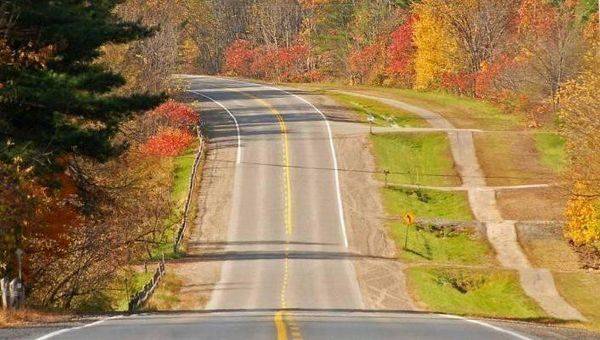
191, 185
139, 299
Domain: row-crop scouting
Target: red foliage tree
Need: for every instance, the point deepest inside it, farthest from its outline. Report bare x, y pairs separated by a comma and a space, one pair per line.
291, 62
461, 82
488, 75
362, 62
239, 58
400, 53
267, 62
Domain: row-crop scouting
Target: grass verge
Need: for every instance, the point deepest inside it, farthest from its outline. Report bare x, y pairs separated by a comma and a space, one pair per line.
581, 290
463, 247
128, 282
384, 114
182, 171
416, 158
25, 316
463, 112
427, 203
166, 295
551, 146
473, 292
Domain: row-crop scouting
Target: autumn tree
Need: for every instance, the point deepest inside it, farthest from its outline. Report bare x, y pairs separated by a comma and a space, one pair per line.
275, 22
436, 47
326, 30
580, 125
62, 105
400, 54
58, 105
550, 36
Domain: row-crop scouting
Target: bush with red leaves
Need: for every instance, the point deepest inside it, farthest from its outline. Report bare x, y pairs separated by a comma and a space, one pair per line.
168, 142
177, 114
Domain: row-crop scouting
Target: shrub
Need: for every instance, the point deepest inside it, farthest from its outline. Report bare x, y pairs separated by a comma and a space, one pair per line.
167, 142
177, 114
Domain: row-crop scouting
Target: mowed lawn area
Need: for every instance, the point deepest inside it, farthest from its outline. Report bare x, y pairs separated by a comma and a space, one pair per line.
439, 258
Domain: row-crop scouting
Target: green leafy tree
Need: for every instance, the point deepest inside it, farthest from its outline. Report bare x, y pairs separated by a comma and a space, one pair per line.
55, 101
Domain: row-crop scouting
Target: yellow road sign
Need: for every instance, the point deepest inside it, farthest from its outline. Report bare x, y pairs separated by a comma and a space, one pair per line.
409, 218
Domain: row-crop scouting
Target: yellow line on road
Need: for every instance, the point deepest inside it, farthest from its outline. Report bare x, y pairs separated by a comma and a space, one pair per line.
280, 325
281, 316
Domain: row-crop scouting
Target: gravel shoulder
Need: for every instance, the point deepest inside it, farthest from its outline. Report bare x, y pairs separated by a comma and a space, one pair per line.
380, 276
209, 231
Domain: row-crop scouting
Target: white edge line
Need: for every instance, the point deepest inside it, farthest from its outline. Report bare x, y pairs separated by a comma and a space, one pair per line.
335, 165
238, 158
65, 330
487, 325
331, 145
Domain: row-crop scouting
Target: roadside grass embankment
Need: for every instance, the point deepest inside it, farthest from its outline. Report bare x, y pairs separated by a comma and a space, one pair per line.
181, 173
473, 292
551, 146
166, 295
128, 282
581, 290
451, 270
132, 279
384, 114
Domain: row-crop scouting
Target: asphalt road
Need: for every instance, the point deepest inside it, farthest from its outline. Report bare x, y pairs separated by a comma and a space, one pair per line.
286, 275
285, 202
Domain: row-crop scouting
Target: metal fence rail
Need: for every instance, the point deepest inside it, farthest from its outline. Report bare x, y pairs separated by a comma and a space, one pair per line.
139, 299
183, 226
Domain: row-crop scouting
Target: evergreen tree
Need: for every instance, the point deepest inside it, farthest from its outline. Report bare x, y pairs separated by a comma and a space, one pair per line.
54, 99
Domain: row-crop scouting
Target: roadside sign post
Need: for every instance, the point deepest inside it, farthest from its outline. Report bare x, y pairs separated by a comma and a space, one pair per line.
409, 219
371, 119
386, 172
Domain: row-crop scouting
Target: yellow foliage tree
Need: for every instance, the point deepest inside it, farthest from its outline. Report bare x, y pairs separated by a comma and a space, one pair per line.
583, 219
436, 47
580, 125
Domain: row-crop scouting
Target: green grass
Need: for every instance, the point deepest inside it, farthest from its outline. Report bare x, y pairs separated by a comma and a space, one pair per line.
420, 159
415, 158
461, 247
128, 283
551, 146
427, 203
182, 171
181, 176
464, 112
381, 112
472, 292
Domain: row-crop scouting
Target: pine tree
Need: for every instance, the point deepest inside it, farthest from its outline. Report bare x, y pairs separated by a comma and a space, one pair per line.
55, 100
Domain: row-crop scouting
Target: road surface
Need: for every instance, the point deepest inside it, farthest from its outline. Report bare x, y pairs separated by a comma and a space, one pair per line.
285, 274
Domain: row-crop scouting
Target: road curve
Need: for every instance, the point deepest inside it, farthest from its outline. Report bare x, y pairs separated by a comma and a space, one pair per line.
285, 274
283, 203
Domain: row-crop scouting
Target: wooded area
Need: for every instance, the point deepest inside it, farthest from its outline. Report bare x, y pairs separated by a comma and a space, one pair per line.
80, 151
82, 142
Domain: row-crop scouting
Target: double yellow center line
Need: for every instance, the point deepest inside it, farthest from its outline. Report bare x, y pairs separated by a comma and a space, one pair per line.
283, 321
